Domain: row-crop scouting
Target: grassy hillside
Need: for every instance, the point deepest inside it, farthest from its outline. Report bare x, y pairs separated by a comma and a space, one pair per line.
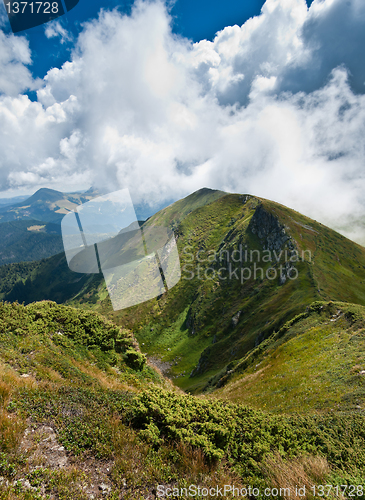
83, 416
210, 320
314, 363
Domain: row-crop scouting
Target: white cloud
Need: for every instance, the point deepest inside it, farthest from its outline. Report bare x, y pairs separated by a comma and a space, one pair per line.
260, 109
15, 55
55, 29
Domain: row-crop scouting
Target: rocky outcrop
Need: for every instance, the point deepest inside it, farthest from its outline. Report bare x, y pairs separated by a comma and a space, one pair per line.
269, 230
202, 363
273, 237
191, 322
235, 318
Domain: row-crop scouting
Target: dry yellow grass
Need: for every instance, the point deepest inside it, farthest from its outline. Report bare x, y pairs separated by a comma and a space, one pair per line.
289, 476
135, 464
106, 380
11, 427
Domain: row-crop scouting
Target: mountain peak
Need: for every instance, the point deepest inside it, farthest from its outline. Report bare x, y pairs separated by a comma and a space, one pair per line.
45, 194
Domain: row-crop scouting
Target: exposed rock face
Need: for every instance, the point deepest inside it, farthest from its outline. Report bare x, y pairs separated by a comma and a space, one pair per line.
271, 233
163, 366
236, 318
244, 198
202, 363
273, 237
191, 322
48, 450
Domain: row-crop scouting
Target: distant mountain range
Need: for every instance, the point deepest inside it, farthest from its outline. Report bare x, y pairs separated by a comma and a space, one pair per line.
30, 226
46, 205
12, 201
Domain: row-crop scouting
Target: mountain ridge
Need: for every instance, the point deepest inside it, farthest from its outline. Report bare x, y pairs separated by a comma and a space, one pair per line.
45, 205
202, 326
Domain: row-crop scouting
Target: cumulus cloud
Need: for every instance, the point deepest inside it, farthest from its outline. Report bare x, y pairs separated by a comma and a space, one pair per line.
15, 56
273, 108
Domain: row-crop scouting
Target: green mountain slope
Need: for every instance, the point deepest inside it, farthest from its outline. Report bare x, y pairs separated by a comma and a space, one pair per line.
314, 363
206, 324
248, 266
83, 416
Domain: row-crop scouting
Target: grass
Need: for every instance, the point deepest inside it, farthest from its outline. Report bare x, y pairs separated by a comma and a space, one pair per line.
105, 411
312, 365
296, 478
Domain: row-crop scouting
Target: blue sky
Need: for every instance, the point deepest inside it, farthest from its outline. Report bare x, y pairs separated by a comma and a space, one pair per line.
194, 19
273, 105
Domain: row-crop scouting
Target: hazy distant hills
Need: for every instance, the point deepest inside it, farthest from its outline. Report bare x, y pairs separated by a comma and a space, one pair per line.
30, 226
46, 205
11, 201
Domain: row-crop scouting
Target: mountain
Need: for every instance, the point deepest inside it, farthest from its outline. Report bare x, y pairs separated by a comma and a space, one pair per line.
260, 320
29, 240
46, 205
206, 324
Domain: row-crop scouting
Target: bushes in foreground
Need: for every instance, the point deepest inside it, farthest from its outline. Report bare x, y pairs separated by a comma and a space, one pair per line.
246, 437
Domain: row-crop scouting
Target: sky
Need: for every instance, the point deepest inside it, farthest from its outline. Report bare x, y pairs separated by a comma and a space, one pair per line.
256, 97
